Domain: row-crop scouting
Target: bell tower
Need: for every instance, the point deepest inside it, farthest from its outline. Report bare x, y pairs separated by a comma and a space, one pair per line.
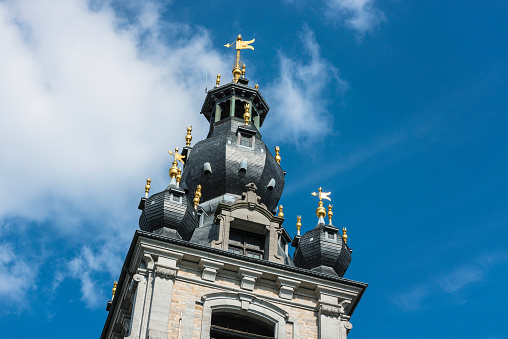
211, 258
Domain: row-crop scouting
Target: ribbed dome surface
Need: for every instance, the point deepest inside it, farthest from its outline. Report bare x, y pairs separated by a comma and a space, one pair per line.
223, 152
316, 251
172, 209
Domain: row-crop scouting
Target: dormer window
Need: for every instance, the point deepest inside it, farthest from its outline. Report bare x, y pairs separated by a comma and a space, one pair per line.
246, 243
245, 140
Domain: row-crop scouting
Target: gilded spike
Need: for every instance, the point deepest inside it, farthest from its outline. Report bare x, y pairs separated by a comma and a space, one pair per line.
246, 115
256, 86
217, 81
344, 235
298, 224
188, 137
281, 213
277, 155
330, 214
243, 71
114, 289
197, 196
147, 187
179, 177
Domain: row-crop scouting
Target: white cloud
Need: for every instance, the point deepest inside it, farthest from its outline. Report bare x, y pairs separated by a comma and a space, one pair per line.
17, 275
300, 112
360, 15
90, 102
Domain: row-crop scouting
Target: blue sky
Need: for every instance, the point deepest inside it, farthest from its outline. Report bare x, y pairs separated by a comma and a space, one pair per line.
396, 107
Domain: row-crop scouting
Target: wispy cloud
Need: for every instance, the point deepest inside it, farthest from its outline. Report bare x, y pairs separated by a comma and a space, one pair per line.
451, 283
300, 112
361, 15
17, 275
85, 94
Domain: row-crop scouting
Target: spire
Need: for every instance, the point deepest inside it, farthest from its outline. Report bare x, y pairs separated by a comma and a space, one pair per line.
188, 137
147, 187
277, 155
330, 214
344, 235
298, 224
197, 197
246, 115
114, 290
238, 65
217, 81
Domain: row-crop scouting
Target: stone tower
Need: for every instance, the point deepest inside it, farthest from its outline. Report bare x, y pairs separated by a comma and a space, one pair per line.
211, 259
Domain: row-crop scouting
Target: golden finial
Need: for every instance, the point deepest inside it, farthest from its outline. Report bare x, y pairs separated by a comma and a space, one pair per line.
237, 66
246, 115
147, 187
188, 137
298, 224
256, 86
330, 214
243, 71
114, 289
281, 213
321, 211
344, 235
217, 81
179, 177
197, 197
277, 155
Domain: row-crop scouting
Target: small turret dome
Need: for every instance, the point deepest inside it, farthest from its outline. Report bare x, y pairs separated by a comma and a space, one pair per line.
171, 210
323, 250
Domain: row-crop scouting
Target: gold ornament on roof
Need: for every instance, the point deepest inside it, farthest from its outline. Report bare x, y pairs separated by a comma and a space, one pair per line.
238, 65
281, 213
344, 235
178, 157
256, 86
330, 214
277, 155
147, 187
298, 224
246, 115
114, 289
243, 71
217, 81
321, 211
188, 137
179, 177
197, 196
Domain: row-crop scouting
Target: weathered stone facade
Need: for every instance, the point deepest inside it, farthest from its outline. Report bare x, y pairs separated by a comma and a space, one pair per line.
169, 290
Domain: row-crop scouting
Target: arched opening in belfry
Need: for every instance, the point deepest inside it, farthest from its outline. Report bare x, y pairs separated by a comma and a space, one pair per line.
229, 325
225, 108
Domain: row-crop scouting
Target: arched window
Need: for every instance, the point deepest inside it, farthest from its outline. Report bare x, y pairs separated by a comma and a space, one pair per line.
228, 325
230, 315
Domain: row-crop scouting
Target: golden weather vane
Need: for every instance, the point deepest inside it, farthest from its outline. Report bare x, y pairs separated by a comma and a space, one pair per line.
321, 211
178, 157
239, 66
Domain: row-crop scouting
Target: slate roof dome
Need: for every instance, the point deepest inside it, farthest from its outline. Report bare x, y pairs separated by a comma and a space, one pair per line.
323, 250
170, 211
225, 163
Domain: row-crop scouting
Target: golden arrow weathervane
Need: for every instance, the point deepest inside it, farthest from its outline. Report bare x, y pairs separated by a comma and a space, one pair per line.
238, 64
322, 195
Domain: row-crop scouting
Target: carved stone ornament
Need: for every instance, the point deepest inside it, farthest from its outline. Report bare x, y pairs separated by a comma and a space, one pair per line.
347, 325
165, 272
329, 310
